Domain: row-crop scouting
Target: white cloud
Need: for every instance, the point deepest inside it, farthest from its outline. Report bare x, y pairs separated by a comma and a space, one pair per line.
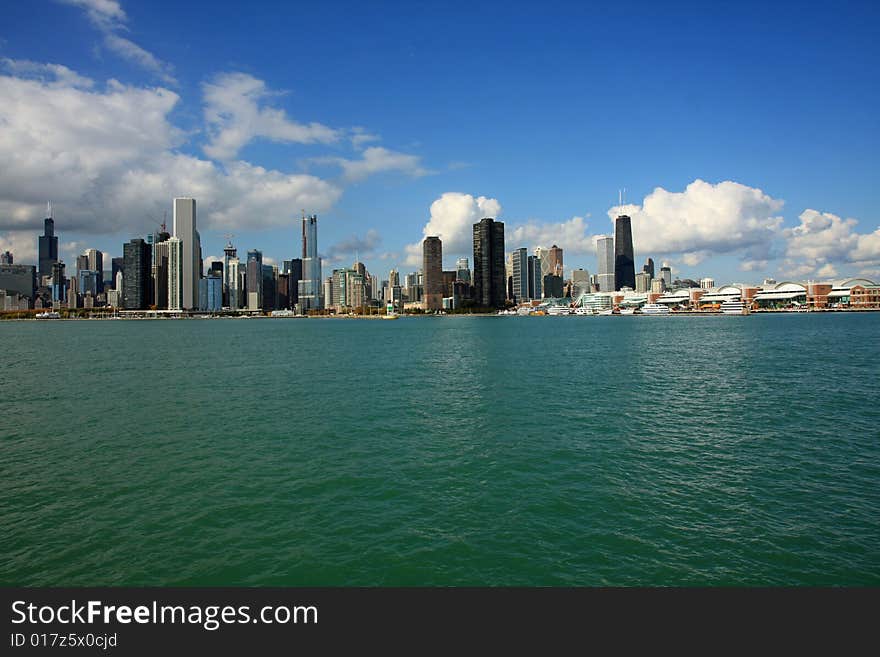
704, 219
360, 136
822, 240
52, 74
572, 235
236, 114
452, 218
108, 158
376, 159
108, 17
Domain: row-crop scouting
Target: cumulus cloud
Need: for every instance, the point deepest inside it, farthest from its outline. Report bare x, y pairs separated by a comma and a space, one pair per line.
376, 159
108, 17
452, 219
108, 158
704, 219
354, 247
359, 137
236, 113
822, 240
51, 74
572, 235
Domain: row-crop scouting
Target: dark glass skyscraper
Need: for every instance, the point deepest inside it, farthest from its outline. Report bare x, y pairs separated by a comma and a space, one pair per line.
137, 275
624, 263
432, 268
649, 267
490, 289
48, 244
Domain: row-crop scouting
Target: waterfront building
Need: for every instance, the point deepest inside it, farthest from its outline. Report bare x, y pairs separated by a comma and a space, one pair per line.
19, 280
211, 293
185, 230
137, 275
432, 268
254, 278
48, 245
554, 261
666, 275
175, 273
463, 270
310, 287
520, 275
536, 278
270, 288
580, 283
552, 286
624, 263
658, 286
233, 282
489, 265
707, 283
643, 282
605, 258
329, 301
160, 272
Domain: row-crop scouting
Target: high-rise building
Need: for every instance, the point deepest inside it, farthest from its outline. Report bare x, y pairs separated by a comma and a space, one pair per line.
554, 258
580, 283
648, 267
211, 292
294, 276
6, 258
520, 275
707, 283
666, 275
552, 286
463, 270
605, 258
19, 279
48, 244
310, 287
175, 274
432, 267
393, 278
536, 278
88, 282
329, 301
95, 261
116, 266
185, 231
490, 283
643, 282
59, 282
254, 279
270, 288
137, 280
233, 283
624, 264
160, 271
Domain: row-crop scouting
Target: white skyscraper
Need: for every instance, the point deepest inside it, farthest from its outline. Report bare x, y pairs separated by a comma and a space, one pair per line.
605, 257
233, 278
175, 273
185, 231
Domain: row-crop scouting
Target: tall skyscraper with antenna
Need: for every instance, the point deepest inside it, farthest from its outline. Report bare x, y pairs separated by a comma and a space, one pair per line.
48, 244
624, 262
185, 231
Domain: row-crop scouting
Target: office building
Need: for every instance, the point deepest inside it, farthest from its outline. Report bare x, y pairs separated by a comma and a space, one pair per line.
211, 292
58, 282
175, 274
666, 275
624, 263
520, 275
137, 275
489, 264
432, 268
160, 272
463, 270
269, 289
643, 282
648, 267
554, 261
552, 286
19, 279
605, 259
580, 283
310, 287
707, 283
6, 258
233, 282
185, 230
254, 278
536, 277
48, 245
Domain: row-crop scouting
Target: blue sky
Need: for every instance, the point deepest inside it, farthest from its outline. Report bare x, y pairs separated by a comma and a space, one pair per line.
395, 119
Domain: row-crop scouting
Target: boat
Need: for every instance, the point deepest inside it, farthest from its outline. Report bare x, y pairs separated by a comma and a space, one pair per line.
583, 310
734, 308
49, 315
655, 309
558, 310
606, 311
391, 315
628, 311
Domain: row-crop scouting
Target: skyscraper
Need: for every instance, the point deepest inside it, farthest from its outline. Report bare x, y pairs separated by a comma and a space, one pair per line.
489, 267
175, 274
310, 287
254, 279
536, 278
580, 283
294, 276
520, 275
137, 275
6, 258
554, 257
48, 244
648, 267
463, 270
666, 275
432, 266
624, 264
229, 252
185, 231
605, 258
233, 282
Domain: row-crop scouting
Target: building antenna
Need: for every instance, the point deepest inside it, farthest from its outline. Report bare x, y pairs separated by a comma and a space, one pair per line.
49, 209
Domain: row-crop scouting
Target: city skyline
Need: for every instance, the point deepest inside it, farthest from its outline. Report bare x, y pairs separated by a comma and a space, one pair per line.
109, 139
